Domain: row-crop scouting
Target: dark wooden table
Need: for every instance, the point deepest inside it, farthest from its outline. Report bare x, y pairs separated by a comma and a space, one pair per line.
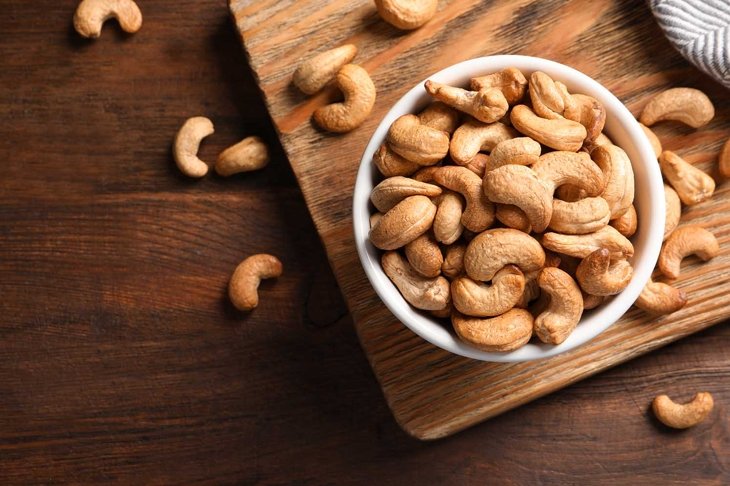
120, 358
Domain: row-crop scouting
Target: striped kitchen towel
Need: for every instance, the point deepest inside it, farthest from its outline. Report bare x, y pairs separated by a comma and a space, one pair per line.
700, 31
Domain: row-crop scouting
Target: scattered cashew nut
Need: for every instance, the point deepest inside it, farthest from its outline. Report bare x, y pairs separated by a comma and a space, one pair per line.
491, 250
247, 155
419, 291
314, 74
406, 14
598, 275
660, 298
559, 134
416, 142
187, 143
692, 185
91, 15
244, 284
682, 416
564, 310
687, 105
359, 92
408, 220
487, 105
503, 333
684, 241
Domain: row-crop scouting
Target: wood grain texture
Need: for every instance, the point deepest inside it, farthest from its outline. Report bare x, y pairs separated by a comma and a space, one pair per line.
432, 393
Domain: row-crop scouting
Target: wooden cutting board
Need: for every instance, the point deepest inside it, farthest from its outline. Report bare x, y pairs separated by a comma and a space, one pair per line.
433, 393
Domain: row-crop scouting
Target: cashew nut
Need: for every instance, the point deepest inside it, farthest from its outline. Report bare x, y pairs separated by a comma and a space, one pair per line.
247, 155
478, 164
518, 185
597, 274
503, 333
453, 265
532, 289
692, 185
440, 116
314, 74
510, 81
580, 217
426, 174
244, 284
602, 140
577, 169
417, 142
513, 217
581, 246
685, 241
447, 227
660, 298
359, 92
618, 176
687, 105
486, 105
391, 164
627, 223
557, 321
406, 14
443, 313
425, 256
419, 291
491, 250
682, 416
482, 300
673, 210
91, 15
547, 100
592, 301
393, 190
559, 134
653, 140
519, 151
187, 143
724, 160
374, 218
408, 220
473, 136
479, 212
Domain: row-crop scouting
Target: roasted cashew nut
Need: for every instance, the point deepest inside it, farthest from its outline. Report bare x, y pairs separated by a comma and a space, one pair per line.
493, 249
519, 185
660, 298
692, 185
581, 246
244, 284
559, 134
359, 92
673, 210
474, 136
187, 143
426, 174
577, 169
598, 275
248, 155
391, 164
447, 227
408, 220
656, 144
590, 113
684, 241
627, 223
513, 217
580, 217
687, 105
519, 151
440, 116
425, 256
419, 291
510, 81
547, 100
487, 105
532, 289
619, 178
478, 164
453, 265
503, 333
314, 74
592, 301
393, 190
557, 321
91, 15
406, 14
682, 416
478, 299
417, 142
479, 212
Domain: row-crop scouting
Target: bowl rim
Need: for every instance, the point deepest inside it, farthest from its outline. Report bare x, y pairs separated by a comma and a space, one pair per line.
600, 319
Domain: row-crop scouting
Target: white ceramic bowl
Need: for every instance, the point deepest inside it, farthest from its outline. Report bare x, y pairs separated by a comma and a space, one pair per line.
621, 127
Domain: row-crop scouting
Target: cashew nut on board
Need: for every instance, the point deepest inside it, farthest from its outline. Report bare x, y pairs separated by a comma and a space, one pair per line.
244, 284
564, 310
416, 142
682, 416
187, 143
686, 105
673, 210
359, 92
660, 298
684, 241
406, 14
314, 74
487, 105
692, 185
510, 81
656, 145
479, 299
247, 155
91, 15
509, 331
419, 291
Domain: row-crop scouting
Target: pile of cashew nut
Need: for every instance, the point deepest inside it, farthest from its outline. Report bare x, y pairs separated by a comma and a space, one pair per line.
505, 208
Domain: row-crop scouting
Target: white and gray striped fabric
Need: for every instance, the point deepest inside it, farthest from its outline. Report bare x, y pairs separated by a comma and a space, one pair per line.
700, 30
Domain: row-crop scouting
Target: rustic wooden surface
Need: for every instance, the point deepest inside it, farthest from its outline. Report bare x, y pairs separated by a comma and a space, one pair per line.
432, 393
120, 360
